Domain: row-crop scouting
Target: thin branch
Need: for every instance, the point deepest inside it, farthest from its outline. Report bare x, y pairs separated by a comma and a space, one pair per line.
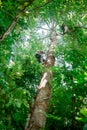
43, 28
44, 37
83, 27
9, 29
16, 18
75, 29
68, 31
41, 6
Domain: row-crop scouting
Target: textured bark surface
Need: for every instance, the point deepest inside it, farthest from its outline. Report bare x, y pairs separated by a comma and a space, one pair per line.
37, 117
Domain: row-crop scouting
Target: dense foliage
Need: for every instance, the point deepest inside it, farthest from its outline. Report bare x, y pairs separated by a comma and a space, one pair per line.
20, 72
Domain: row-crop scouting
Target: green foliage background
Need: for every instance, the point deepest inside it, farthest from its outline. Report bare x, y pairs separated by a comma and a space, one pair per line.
20, 72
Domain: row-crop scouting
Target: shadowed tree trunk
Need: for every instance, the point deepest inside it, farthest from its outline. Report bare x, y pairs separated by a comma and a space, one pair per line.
37, 117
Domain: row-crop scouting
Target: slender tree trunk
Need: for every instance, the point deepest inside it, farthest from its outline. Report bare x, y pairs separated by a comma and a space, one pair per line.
37, 117
14, 21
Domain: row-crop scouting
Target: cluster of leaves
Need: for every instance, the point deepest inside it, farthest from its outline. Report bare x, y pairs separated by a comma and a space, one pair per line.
20, 74
69, 95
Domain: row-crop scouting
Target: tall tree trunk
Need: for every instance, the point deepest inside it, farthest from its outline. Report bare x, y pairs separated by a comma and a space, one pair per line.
37, 117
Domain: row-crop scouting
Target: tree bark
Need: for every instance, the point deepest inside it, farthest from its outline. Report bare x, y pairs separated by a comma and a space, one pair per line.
37, 117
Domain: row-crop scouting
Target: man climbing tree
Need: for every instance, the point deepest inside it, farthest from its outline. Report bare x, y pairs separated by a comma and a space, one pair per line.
37, 117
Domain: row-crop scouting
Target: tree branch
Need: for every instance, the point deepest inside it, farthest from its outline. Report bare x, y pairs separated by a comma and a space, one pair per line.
66, 29
14, 21
9, 29
16, 18
41, 6
83, 27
